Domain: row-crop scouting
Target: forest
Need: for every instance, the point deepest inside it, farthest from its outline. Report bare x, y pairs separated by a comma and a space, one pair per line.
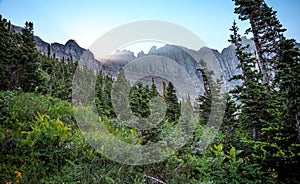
258, 142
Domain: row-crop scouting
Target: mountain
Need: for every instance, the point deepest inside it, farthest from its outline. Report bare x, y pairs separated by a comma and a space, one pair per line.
224, 63
185, 61
70, 50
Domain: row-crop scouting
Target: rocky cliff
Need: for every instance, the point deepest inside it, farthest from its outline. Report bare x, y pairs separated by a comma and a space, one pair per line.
223, 63
70, 50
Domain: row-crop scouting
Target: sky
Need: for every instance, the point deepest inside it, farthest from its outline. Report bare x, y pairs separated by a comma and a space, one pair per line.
87, 20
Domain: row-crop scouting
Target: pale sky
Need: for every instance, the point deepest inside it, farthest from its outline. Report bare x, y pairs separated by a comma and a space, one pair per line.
86, 20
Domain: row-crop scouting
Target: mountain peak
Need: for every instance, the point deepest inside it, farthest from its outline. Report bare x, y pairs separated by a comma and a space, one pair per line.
72, 43
153, 48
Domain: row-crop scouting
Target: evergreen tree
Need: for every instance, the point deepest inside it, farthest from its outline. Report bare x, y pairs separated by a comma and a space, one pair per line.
20, 61
210, 105
107, 88
164, 88
48, 50
99, 99
119, 96
59, 77
6, 54
287, 79
250, 92
29, 74
140, 100
267, 32
273, 106
231, 127
204, 101
173, 106
284, 138
154, 91
259, 108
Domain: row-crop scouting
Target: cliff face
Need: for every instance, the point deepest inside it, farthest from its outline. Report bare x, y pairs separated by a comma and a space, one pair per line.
184, 59
116, 61
70, 50
223, 64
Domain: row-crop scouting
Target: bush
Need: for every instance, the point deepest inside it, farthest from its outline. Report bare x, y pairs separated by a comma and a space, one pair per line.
21, 112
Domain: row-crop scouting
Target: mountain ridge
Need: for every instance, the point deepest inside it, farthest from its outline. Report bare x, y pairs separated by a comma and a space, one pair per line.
225, 61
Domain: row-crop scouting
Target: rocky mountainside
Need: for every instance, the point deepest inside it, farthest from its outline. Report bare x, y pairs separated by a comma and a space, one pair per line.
70, 50
223, 63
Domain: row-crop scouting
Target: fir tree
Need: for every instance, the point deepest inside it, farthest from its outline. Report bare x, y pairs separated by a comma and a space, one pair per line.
29, 73
140, 100
204, 101
287, 79
164, 88
273, 105
267, 32
154, 91
103, 95
252, 94
48, 50
107, 99
59, 76
20, 61
6, 54
173, 107
120, 96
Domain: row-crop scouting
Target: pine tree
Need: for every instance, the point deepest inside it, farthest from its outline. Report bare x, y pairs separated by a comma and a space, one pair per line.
204, 101
164, 88
6, 53
107, 89
103, 96
274, 102
48, 50
140, 100
20, 61
231, 127
29, 73
287, 78
267, 32
173, 106
251, 94
211, 104
59, 77
119, 96
154, 91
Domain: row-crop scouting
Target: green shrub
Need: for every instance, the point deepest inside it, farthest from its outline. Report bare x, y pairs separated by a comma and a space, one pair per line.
51, 145
19, 112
